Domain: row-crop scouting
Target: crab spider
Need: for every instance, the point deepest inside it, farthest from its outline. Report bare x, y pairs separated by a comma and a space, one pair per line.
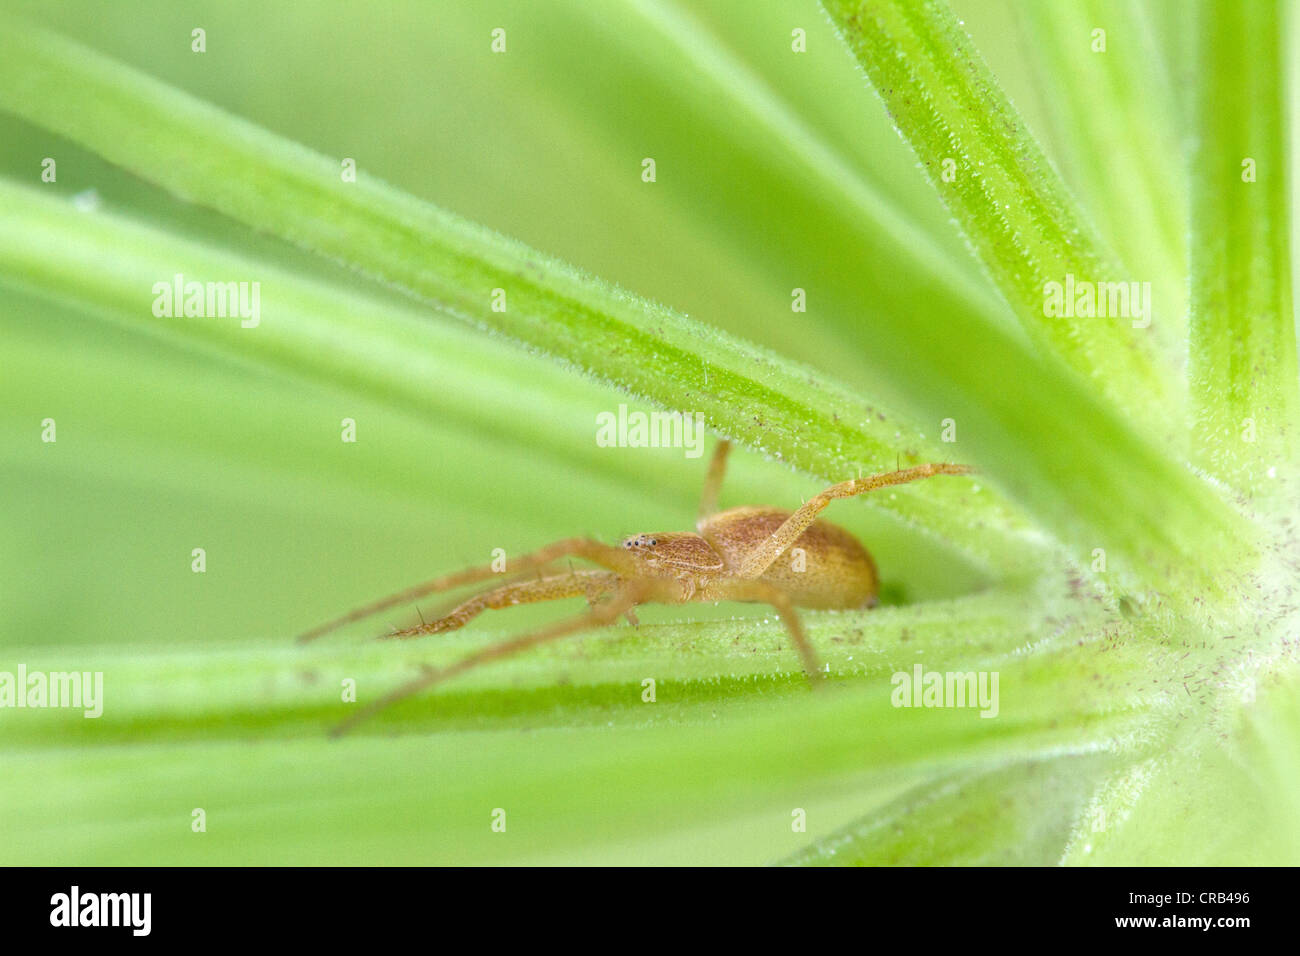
731, 556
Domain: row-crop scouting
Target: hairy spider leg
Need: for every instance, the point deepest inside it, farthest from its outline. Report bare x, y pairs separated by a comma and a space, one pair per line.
761, 558
713, 482
628, 596
610, 558
749, 589
588, 584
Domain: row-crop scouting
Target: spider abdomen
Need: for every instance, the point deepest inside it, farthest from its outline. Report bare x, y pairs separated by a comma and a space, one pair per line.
826, 567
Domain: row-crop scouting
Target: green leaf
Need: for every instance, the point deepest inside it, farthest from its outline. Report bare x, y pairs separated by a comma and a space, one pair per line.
1243, 338
1105, 51
805, 148
1013, 816
1010, 203
598, 767
1221, 799
111, 265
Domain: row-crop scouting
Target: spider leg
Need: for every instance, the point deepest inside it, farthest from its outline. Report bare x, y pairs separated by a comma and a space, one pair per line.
588, 584
532, 574
761, 558
748, 589
611, 558
630, 594
713, 482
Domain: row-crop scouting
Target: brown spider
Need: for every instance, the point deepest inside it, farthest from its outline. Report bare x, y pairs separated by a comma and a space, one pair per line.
733, 557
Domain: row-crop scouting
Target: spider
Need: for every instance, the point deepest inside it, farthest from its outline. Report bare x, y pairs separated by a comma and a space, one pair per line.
732, 556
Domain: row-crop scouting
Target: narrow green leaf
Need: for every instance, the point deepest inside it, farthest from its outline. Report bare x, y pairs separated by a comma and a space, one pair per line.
1243, 338
1009, 816
217, 722
1018, 216
689, 39
208, 693
1214, 799
1096, 52
109, 264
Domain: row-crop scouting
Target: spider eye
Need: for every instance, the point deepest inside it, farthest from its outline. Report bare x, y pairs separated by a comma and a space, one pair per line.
652, 542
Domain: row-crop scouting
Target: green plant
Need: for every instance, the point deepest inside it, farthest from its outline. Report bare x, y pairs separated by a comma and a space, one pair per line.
1125, 562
